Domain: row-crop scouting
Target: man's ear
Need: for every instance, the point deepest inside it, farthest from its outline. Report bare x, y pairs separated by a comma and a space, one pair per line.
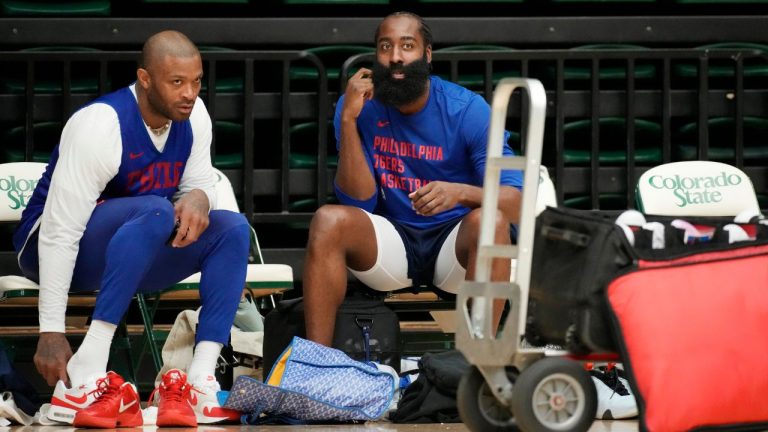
428, 53
143, 78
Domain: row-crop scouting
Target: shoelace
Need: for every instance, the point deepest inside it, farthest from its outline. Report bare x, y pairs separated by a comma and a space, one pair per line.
173, 391
104, 391
611, 379
176, 391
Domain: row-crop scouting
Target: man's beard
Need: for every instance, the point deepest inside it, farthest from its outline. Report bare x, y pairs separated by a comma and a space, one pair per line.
399, 92
157, 104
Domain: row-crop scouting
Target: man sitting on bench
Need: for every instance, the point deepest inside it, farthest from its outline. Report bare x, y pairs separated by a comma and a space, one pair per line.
124, 206
412, 152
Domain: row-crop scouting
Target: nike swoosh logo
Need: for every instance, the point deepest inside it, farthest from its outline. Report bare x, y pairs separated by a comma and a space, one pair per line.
78, 400
135, 155
381, 123
221, 412
193, 399
125, 407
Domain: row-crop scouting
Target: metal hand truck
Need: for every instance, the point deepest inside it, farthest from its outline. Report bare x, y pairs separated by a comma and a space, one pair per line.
511, 386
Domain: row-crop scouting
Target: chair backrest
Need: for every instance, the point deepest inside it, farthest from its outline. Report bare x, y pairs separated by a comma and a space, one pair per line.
225, 195
696, 188
545, 196
17, 182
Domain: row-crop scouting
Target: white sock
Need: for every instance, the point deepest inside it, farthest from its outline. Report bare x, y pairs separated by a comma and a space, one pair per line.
203, 361
92, 356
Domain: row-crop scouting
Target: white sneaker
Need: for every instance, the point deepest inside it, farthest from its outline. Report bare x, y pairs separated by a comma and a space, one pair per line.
614, 398
149, 414
205, 402
10, 411
66, 402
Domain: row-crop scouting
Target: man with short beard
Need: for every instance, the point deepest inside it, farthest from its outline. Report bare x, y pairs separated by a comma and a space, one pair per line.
127, 205
412, 151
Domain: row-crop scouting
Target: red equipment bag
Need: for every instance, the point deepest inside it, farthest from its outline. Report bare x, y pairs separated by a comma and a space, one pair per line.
692, 336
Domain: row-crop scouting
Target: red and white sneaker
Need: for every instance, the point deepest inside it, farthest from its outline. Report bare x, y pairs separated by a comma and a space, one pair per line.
66, 402
117, 404
173, 408
205, 402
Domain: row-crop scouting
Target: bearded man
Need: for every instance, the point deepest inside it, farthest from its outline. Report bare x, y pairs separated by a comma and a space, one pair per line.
412, 152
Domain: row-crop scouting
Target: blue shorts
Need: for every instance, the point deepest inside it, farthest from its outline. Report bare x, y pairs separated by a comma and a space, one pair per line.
422, 246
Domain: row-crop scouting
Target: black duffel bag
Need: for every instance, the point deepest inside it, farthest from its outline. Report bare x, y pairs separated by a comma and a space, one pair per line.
366, 330
575, 254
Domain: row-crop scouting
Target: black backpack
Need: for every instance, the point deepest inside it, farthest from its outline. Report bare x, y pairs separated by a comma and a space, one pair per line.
366, 330
432, 397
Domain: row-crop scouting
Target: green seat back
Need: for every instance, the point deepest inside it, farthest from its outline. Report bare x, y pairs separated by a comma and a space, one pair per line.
48, 80
724, 69
618, 70
722, 134
332, 56
577, 136
304, 146
56, 8
46, 136
471, 74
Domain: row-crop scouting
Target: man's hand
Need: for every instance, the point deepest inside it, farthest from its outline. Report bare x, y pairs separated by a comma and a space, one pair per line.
436, 197
191, 216
53, 353
359, 89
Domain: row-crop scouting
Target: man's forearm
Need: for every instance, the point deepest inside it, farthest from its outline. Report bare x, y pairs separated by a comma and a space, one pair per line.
509, 200
353, 175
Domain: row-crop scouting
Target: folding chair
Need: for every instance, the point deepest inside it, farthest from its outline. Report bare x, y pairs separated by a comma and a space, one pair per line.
17, 181
21, 178
696, 188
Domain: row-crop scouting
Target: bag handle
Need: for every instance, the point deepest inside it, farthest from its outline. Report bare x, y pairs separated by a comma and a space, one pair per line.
365, 322
578, 239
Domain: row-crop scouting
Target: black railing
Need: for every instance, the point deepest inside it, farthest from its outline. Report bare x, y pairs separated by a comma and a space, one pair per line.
646, 87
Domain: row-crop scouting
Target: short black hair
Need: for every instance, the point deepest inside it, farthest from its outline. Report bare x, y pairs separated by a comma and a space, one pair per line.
426, 32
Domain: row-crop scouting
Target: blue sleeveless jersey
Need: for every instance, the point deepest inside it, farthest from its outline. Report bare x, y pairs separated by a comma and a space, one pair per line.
143, 169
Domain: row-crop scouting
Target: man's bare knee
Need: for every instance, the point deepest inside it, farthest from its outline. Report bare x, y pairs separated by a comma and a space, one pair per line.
329, 222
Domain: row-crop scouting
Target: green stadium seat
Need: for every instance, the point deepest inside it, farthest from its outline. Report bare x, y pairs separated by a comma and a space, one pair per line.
229, 77
720, 1
336, 2
48, 79
55, 8
722, 134
304, 146
229, 145
198, 1
609, 70
577, 138
469, 1
607, 201
604, 1
727, 68
45, 135
332, 56
471, 74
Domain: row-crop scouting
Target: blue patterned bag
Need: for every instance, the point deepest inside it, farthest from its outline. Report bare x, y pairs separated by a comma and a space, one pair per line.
313, 383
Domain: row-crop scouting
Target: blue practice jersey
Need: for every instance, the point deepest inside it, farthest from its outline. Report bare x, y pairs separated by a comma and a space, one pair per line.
445, 141
143, 169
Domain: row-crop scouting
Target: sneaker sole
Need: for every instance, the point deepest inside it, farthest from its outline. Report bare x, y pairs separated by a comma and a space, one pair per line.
171, 420
130, 420
86, 421
62, 414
